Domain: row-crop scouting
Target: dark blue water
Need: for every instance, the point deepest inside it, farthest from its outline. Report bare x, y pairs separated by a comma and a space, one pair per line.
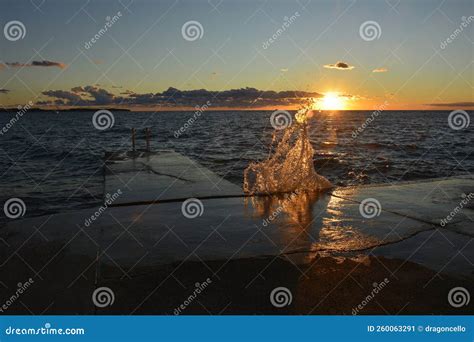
54, 161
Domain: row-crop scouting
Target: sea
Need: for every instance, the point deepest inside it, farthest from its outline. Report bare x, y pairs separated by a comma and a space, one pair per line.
53, 161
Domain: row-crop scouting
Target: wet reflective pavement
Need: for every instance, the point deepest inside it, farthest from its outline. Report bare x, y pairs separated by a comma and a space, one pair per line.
69, 254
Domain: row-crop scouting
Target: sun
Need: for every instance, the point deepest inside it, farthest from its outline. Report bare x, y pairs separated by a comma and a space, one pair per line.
332, 101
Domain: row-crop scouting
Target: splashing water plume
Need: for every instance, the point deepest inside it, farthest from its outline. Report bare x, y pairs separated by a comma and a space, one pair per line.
290, 166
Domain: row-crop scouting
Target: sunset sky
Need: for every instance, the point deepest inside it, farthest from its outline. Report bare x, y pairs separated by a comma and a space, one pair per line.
236, 63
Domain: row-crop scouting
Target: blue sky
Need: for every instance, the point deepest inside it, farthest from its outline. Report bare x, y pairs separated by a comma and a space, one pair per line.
144, 51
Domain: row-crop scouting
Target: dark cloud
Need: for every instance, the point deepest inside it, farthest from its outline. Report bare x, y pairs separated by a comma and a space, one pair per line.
43, 63
340, 66
70, 97
15, 64
172, 97
4, 91
453, 104
100, 96
48, 64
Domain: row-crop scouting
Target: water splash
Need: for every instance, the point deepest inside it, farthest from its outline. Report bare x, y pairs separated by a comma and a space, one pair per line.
289, 166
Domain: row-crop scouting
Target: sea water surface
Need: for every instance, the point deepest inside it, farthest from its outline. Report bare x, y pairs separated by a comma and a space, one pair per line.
53, 161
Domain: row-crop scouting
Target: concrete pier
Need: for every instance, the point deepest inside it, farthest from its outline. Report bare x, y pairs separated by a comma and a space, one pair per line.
148, 177
140, 242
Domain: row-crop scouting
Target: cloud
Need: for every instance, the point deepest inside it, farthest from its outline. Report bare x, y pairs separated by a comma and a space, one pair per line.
15, 64
48, 64
172, 97
4, 91
453, 104
43, 63
380, 70
70, 97
339, 66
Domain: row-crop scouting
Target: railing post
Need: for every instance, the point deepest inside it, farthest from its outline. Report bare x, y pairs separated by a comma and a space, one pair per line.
133, 139
147, 137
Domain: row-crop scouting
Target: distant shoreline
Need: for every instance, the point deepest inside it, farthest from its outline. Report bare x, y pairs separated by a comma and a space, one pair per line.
13, 110
8, 110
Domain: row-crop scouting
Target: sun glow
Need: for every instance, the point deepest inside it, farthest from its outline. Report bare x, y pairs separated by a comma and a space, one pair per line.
332, 101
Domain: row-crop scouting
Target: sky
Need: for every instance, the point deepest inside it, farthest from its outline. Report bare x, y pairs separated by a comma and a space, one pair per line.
237, 54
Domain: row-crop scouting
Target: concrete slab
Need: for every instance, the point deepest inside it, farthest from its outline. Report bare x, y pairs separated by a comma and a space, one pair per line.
145, 177
429, 201
144, 233
60, 258
440, 250
231, 228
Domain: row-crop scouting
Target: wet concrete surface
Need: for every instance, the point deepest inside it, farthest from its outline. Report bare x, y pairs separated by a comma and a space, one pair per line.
150, 254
